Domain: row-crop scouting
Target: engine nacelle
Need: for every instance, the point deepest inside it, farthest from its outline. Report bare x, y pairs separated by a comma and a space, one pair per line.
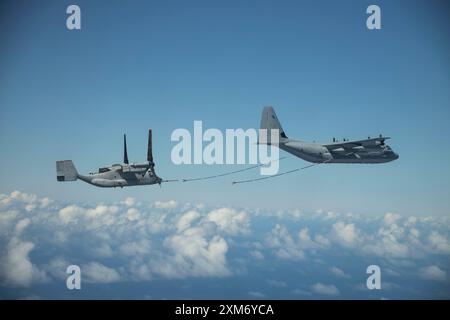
327, 156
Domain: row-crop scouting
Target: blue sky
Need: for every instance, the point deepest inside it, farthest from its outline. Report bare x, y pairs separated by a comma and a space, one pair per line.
72, 94
152, 64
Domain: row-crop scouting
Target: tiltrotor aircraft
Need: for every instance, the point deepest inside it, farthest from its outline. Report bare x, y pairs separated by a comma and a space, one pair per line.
116, 175
370, 150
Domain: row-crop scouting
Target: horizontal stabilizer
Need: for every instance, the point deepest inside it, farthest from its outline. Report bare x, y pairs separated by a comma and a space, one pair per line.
65, 171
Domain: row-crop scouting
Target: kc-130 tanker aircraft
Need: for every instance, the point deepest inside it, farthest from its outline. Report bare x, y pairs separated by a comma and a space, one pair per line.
370, 150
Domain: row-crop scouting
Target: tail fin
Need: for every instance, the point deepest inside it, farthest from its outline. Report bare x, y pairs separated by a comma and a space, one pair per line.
65, 171
269, 120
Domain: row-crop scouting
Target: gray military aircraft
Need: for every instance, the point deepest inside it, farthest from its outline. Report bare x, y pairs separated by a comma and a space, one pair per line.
116, 175
370, 150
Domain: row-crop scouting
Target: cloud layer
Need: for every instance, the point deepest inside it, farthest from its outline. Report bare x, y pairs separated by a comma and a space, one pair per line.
131, 241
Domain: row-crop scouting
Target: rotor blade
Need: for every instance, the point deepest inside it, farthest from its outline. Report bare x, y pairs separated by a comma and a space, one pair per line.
277, 175
227, 173
125, 154
149, 147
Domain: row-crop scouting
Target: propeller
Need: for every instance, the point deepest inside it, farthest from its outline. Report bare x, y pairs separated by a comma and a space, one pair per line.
150, 155
149, 148
125, 154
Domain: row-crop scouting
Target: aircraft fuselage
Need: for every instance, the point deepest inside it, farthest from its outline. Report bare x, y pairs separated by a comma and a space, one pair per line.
317, 153
121, 175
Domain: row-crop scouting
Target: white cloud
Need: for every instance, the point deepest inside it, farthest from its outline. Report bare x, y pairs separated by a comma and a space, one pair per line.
70, 213
129, 201
186, 219
439, 242
195, 254
140, 271
290, 248
29, 201
7, 218
323, 289
411, 221
295, 214
24, 197
171, 204
330, 215
322, 240
101, 211
346, 234
307, 243
390, 218
433, 273
45, 202
229, 220
5, 200
17, 269
22, 225
303, 235
133, 214
57, 268
286, 247
339, 273
390, 240
154, 241
393, 247
30, 207
414, 233
95, 272
99, 216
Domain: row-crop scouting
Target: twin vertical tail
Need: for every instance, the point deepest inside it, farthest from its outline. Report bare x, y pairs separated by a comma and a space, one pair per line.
66, 171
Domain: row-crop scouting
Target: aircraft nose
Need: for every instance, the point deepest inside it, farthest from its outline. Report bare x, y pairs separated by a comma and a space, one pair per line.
396, 156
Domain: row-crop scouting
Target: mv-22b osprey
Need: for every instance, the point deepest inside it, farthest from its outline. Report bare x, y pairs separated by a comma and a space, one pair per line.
370, 150
116, 175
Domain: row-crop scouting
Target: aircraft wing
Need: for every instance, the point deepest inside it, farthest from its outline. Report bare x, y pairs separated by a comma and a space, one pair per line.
352, 145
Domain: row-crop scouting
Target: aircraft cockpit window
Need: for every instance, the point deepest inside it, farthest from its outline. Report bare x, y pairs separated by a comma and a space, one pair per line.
101, 170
